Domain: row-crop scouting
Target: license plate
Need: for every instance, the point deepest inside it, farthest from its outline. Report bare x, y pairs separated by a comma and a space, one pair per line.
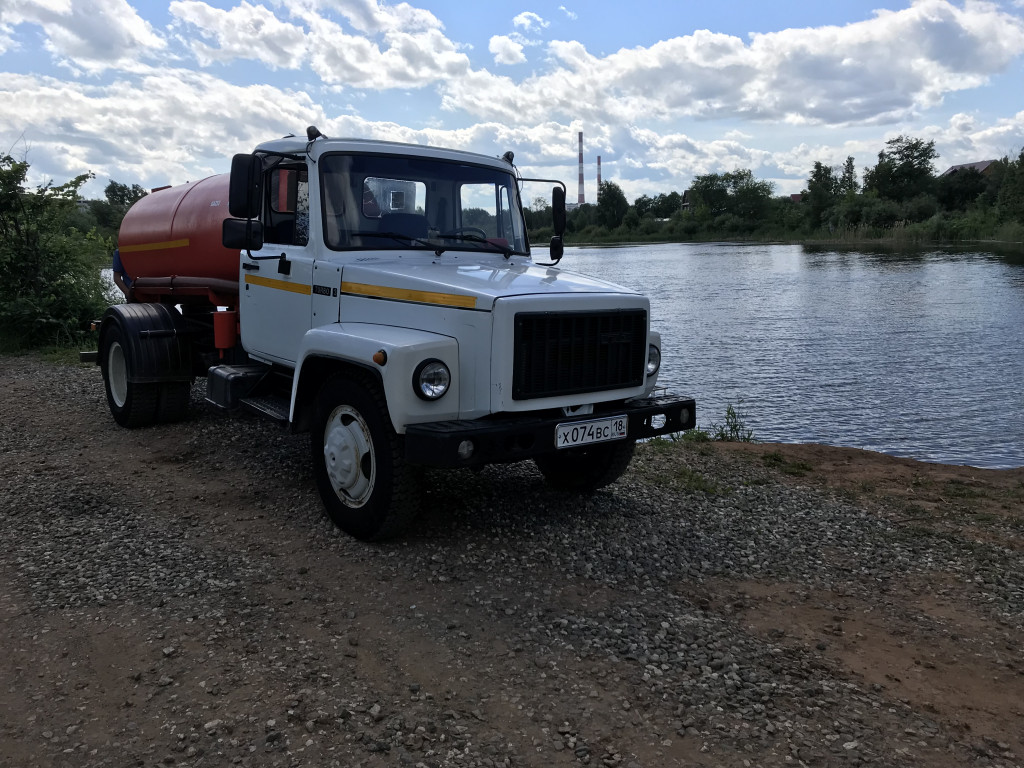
586, 432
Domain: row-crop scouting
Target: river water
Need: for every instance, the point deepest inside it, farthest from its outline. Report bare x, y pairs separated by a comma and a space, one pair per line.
913, 354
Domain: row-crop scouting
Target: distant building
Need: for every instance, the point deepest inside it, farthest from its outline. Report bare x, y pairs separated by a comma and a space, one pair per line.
984, 167
796, 197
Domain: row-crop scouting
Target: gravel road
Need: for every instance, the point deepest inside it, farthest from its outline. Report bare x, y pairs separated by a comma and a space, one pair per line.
176, 596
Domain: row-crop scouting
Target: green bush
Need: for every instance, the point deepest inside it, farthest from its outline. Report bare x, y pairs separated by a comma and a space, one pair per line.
50, 286
734, 430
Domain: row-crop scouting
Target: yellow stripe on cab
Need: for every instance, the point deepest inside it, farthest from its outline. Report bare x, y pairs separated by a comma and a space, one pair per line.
408, 294
281, 285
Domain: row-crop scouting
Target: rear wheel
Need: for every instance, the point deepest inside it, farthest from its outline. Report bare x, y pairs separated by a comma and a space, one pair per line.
131, 404
358, 461
173, 401
586, 469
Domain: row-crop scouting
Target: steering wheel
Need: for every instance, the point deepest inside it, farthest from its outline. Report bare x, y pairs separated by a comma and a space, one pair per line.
466, 230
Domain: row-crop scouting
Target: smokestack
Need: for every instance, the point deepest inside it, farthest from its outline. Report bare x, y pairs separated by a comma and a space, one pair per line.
598, 177
580, 201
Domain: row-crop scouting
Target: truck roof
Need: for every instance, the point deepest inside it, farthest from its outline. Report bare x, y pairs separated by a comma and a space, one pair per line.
299, 145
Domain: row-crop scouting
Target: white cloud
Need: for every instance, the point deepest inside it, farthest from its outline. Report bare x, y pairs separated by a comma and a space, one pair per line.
72, 127
529, 21
876, 71
506, 50
92, 37
382, 47
410, 52
649, 110
244, 32
569, 14
964, 140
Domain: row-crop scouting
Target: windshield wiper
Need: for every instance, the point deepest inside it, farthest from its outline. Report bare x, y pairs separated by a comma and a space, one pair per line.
502, 249
402, 237
438, 250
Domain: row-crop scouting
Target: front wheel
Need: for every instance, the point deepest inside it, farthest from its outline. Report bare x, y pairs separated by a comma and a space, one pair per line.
586, 469
131, 404
358, 462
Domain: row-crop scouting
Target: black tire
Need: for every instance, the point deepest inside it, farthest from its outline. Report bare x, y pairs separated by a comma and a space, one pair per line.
359, 461
586, 469
173, 401
131, 404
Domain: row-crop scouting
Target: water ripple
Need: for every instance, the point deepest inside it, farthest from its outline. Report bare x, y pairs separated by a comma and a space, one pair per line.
914, 354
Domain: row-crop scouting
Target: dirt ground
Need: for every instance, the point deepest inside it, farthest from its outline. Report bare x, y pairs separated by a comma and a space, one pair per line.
176, 596
933, 670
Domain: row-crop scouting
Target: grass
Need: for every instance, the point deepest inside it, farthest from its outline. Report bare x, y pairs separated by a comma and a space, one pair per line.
65, 355
665, 445
777, 461
692, 480
734, 430
958, 489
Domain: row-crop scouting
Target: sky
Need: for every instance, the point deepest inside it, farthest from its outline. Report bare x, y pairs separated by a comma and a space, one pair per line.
157, 93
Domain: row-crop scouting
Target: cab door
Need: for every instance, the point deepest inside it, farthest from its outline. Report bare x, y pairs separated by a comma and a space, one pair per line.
276, 285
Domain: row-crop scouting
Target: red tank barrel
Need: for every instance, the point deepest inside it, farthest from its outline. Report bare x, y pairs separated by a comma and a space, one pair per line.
176, 232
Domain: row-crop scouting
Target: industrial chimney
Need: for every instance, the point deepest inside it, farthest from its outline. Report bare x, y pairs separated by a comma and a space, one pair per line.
580, 201
598, 177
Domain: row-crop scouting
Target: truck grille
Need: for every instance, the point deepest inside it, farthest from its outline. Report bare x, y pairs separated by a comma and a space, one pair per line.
566, 353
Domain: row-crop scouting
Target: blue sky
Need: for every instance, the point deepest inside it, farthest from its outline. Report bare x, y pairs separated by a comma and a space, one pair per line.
159, 93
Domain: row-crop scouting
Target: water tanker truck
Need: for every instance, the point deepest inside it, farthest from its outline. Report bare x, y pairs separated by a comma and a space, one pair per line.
382, 297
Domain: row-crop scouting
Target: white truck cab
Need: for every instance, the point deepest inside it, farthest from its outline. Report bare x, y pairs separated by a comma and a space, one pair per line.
387, 303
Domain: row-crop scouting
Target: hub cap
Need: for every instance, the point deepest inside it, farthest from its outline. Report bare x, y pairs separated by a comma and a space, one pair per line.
117, 374
348, 456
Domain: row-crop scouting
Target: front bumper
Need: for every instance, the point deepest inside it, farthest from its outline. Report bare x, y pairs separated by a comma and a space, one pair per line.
523, 436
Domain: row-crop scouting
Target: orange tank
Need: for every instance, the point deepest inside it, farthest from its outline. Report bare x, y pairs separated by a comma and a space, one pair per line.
176, 232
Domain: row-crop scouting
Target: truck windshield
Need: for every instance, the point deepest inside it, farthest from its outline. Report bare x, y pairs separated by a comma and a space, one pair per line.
387, 201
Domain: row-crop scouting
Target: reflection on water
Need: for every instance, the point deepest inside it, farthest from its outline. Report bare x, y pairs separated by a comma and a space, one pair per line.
915, 354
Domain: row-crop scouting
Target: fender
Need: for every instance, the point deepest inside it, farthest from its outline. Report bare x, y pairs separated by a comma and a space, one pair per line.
403, 348
157, 336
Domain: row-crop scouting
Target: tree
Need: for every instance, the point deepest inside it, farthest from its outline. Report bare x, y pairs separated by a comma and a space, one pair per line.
538, 215
581, 217
121, 197
50, 284
644, 206
848, 184
710, 193
1011, 193
666, 205
959, 190
736, 194
820, 195
750, 197
611, 205
904, 170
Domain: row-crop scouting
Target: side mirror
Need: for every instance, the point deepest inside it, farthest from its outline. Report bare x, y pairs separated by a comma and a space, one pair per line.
558, 210
244, 186
557, 248
242, 234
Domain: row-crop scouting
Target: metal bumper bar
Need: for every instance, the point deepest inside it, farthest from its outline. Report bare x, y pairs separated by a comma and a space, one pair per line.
516, 437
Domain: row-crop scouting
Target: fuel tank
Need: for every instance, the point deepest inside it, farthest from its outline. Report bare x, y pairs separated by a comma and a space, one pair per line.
176, 232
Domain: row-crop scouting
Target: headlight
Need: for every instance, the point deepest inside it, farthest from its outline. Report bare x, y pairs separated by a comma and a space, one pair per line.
431, 379
653, 360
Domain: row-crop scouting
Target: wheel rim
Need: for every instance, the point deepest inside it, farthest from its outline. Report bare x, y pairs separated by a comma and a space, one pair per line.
117, 374
348, 456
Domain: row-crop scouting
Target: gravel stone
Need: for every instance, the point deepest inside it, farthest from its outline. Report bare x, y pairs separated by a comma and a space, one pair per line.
176, 595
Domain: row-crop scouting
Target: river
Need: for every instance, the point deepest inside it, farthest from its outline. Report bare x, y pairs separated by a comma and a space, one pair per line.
917, 354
